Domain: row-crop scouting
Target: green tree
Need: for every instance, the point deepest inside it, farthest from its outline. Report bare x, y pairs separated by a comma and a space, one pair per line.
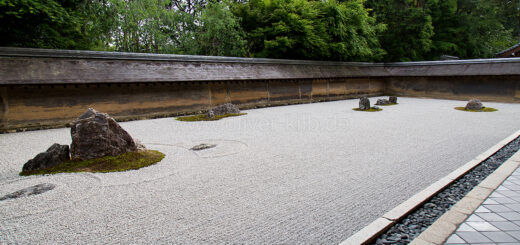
426, 29
142, 26
352, 35
301, 29
469, 28
220, 33
484, 33
44, 24
409, 28
281, 28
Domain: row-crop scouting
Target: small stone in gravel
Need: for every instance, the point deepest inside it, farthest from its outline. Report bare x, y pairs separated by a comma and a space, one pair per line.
364, 103
210, 114
55, 155
392, 99
29, 191
474, 104
202, 147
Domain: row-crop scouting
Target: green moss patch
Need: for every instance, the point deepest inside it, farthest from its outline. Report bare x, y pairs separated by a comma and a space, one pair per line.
389, 104
204, 117
123, 162
369, 110
485, 109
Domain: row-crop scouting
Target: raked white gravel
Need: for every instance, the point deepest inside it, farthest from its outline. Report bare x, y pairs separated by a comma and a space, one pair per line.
313, 173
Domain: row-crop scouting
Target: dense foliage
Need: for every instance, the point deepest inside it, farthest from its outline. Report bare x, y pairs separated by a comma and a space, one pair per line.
342, 30
303, 29
426, 29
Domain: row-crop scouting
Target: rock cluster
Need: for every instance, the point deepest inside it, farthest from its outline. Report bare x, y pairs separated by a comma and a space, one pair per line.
383, 102
94, 135
474, 104
55, 155
223, 109
364, 103
389, 101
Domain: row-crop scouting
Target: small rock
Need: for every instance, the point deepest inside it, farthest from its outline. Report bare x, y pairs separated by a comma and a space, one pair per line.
210, 114
430, 205
96, 135
55, 155
29, 191
392, 99
140, 146
202, 147
474, 104
364, 103
224, 109
383, 102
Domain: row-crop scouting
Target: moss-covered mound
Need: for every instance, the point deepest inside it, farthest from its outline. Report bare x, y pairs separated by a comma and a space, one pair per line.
127, 161
389, 104
485, 109
372, 109
204, 117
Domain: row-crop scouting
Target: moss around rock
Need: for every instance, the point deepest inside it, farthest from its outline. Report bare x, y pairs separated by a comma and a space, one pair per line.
204, 117
485, 109
123, 162
389, 104
372, 109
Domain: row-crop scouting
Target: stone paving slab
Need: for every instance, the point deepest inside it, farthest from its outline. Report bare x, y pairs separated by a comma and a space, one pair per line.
497, 220
314, 173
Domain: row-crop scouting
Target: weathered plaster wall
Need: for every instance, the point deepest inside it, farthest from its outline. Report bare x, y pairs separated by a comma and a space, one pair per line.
49, 88
486, 88
41, 106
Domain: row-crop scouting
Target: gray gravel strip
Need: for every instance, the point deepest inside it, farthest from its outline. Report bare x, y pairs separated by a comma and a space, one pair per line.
313, 173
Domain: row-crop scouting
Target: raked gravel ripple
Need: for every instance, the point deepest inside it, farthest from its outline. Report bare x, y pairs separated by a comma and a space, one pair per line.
313, 173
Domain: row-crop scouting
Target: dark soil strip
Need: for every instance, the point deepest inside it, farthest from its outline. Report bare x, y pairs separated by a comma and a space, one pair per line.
412, 225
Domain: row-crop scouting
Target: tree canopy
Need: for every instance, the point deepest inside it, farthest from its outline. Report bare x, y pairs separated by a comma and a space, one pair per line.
341, 30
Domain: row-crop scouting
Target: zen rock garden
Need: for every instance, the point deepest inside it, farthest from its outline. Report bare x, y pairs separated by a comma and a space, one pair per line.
96, 136
99, 144
280, 163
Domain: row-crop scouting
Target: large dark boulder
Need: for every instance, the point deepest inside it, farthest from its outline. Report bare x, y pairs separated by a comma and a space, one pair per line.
364, 103
223, 109
474, 104
55, 155
96, 135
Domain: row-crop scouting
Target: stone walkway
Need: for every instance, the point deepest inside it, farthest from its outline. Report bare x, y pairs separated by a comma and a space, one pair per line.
497, 220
